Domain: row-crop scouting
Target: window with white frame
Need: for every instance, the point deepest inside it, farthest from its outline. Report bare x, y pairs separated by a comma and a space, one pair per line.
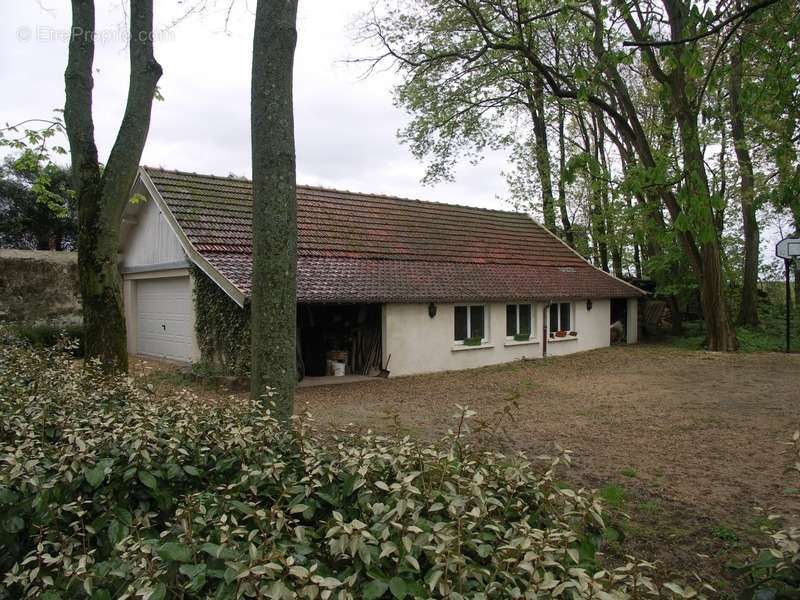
560, 317
519, 321
470, 324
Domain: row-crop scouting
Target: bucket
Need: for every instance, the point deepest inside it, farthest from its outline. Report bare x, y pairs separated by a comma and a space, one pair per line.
338, 369
334, 357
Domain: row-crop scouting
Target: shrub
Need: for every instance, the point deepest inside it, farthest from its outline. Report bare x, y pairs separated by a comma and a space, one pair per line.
109, 492
48, 336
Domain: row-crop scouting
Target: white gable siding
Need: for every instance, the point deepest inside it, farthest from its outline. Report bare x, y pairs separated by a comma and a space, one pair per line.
152, 241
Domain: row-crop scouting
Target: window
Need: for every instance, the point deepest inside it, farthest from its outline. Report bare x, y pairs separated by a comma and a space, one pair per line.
560, 316
519, 320
470, 323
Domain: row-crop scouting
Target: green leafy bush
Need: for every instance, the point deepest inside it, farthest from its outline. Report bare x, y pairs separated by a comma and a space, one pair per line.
109, 492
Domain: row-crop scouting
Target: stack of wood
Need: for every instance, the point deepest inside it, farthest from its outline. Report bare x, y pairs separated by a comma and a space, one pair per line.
366, 351
656, 317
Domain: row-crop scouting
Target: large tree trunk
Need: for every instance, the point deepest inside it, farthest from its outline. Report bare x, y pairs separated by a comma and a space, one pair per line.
701, 243
748, 310
274, 304
720, 334
102, 195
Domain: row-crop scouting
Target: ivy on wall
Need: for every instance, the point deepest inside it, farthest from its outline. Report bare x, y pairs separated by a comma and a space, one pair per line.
223, 328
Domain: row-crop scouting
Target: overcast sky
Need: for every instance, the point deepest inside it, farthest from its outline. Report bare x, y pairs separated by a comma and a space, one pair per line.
345, 127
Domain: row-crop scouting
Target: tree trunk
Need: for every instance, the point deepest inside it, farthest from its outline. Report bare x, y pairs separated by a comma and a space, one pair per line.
102, 196
748, 310
720, 334
534, 95
274, 303
598, 186
566, 225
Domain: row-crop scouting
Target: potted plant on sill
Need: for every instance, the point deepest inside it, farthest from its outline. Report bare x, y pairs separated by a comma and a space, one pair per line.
522, 337
573, 333
561, 334
473, 341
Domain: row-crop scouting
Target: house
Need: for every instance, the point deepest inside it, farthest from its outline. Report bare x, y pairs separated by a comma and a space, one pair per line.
425, 285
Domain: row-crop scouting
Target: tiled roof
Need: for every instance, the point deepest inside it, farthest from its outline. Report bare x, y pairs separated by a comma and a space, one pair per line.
370, 248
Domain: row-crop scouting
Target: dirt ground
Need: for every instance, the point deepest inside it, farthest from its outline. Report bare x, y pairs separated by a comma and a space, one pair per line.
685, 443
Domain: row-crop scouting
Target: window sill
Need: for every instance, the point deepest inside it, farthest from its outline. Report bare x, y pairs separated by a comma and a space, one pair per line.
567, 338
516, 343
460, 347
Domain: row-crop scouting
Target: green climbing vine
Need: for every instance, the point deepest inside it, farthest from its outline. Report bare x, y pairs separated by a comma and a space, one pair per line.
223, 328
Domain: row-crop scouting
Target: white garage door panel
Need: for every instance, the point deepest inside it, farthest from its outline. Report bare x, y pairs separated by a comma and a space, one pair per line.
164, 318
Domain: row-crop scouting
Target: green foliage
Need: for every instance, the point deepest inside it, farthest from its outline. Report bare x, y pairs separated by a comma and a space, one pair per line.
222, 327
48, 336
38, 209
768, 336
108, 491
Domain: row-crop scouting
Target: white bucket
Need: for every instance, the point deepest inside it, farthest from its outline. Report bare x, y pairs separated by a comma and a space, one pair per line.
338, 369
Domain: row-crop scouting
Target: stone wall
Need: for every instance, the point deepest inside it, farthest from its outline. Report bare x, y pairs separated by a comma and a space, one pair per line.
39, 287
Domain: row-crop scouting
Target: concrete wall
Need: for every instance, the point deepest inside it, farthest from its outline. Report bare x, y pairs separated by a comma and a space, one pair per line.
39, 287
421, 344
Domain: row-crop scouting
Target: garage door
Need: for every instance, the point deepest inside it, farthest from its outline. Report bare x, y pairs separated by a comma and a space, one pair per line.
164, 318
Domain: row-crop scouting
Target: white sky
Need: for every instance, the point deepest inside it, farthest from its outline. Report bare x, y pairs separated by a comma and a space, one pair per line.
345, 126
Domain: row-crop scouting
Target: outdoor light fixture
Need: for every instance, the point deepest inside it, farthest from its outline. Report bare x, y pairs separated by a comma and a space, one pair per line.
588, 305
431, 310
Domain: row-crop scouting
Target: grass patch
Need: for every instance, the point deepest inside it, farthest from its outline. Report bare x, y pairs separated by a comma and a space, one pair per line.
725, 534
613, 494
629, 472
651, 507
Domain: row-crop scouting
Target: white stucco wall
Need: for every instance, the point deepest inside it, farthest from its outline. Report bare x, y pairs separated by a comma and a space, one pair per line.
593, 327
152, 241
418, 343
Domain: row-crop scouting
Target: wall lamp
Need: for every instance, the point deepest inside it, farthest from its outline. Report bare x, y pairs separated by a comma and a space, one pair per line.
588, 305
431, 310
